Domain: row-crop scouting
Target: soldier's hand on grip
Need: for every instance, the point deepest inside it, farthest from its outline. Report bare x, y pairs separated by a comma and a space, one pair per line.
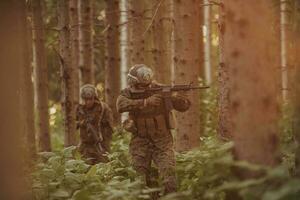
154, 100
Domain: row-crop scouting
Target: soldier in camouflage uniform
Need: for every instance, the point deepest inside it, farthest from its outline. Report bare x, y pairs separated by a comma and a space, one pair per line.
94, 119
151, 126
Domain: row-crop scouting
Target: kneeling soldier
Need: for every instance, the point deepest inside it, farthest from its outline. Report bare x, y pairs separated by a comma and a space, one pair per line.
151, 125
94, 119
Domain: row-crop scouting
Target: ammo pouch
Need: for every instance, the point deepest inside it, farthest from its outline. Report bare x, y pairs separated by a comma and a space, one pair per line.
145, 124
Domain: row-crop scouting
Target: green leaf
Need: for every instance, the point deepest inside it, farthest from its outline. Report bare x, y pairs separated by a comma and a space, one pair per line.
60, 193
46, 155
92, 172
292, 187
81, 195
68, 152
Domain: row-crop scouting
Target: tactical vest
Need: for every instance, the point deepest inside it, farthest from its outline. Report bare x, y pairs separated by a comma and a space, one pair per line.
151, 119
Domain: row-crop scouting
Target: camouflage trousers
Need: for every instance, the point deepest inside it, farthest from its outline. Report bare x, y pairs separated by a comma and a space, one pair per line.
159, 149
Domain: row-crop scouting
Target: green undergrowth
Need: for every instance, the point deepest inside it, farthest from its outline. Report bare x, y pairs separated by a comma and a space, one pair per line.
204, 173
63, 175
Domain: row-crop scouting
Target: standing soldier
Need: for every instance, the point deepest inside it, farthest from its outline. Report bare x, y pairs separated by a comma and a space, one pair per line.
94, 119
151, 125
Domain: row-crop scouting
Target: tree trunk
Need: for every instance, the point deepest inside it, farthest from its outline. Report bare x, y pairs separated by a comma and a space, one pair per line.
162, 31
252, 70
207, 45
284, 39
296, 102
124, 41
224, 125
12, 62
137, 41
188, 61
67, 73
28, 101
74, 37
112, 66
295, 94
41, 77
86, 54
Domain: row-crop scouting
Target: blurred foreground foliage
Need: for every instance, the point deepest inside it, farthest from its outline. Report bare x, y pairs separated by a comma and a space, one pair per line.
203, 173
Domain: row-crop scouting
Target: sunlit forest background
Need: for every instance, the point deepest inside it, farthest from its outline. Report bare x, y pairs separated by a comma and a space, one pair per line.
239, 140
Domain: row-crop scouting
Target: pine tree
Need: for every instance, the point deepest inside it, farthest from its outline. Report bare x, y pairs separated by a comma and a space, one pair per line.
112, 66
12, 61
27, 90
224, 125
252, 71
74, 37
188, 65
41, 77
67, 73
86, 50
162, 33
137, 26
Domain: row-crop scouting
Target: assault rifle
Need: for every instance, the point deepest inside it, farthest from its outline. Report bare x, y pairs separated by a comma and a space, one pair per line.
166, 92
96, 134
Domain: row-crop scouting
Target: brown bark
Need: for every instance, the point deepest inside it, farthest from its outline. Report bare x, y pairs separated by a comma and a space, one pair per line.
86, 54
112, 66
67, 73
41, 77
224, 125
137, 40
296, 102
28, 101
12, 61
74, 29
162, 31
252, 84
295, 86
188, 63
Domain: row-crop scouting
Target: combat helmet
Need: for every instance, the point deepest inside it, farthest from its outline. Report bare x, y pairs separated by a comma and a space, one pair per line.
88, 91
139, 74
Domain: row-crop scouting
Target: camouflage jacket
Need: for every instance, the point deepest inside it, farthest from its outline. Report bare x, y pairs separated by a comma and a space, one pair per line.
99, 116
150, 117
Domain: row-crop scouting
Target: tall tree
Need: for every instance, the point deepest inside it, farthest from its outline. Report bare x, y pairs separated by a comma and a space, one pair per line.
207, 45
12, 61
295, 92
86, 54
296, 101
112, 64
137, 40
162, 32
188, 63
124, 41
74, 37
284, 40
224, 125
28, 101
41, 76
253, 106
67, 73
